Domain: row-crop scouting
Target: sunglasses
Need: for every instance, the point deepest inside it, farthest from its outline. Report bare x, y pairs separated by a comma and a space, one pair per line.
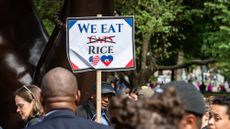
29, 91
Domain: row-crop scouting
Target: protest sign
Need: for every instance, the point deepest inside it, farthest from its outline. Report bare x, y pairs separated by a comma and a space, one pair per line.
100, 43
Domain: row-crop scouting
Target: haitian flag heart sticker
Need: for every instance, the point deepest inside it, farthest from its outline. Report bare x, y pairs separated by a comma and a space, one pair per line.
94, 60
106, 59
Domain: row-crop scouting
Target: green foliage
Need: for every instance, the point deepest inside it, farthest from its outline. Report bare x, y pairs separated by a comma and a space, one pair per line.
152, 17
49, 25
201, 28
46, 10
217, 38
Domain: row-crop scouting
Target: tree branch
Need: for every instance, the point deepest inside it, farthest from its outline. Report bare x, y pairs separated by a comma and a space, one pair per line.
191, 62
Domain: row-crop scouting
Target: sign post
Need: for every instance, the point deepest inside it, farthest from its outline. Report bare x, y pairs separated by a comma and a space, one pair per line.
98, 95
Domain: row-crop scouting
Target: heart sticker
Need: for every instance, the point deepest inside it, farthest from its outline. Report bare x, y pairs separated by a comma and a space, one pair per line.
107, 59
94, 60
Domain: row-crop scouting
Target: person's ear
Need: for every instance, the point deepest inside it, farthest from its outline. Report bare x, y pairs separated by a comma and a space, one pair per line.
78, 96
188, 122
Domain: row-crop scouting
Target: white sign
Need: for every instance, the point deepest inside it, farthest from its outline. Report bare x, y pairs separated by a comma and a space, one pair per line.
100, 43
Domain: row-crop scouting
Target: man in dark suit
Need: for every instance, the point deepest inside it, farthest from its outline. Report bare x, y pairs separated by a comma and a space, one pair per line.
60, 91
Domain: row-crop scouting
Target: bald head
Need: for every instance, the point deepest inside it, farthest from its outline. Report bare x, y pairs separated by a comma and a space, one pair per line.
59, 84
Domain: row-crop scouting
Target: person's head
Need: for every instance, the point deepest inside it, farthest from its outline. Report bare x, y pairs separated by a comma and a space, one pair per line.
60, 90
107, 92
205, 117
193, 102
220, 113
28, 101
145, 91
161, 111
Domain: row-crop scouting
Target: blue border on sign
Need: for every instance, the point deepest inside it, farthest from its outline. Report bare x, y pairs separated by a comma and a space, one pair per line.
129, 21
71, 23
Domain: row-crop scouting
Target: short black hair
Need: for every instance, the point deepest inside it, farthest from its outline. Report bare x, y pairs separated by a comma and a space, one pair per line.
224, 101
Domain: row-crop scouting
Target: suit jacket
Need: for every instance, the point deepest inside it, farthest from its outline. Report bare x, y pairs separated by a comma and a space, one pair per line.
66, 119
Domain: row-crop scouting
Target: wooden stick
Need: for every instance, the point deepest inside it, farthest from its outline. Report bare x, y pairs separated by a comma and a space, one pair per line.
98, 110
98, 94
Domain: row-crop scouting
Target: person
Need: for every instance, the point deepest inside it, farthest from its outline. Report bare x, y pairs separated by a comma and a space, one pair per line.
205, 117
202, 88
210, 87
220, 113
28, 102
60, 94
193, 102
221, 88
161, 111
88, 109
133, 94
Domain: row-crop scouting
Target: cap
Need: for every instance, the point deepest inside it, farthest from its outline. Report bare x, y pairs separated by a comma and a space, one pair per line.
190, 96
106, 88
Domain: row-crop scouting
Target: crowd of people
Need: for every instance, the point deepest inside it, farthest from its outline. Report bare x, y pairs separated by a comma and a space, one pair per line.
175, 105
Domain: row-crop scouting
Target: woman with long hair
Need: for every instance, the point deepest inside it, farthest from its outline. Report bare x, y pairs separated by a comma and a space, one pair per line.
28, 102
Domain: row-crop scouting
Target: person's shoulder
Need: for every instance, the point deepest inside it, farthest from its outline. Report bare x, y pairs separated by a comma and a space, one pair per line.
81, 110
95, 125
36, 126
90, 124
67, 122
85, 110
34, 121
81, 107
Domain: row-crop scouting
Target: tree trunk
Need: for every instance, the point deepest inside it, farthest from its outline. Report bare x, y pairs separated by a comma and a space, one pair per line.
146, 38
180, 59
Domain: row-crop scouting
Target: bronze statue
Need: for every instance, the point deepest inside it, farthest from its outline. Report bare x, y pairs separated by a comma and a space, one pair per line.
22, 41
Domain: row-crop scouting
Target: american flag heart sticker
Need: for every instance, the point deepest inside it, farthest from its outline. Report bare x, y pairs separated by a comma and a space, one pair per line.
94, 60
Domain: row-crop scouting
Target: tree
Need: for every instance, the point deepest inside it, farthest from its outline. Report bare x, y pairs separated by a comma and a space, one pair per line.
217, 36
47, 10
153, 20
170, 34
195, 29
